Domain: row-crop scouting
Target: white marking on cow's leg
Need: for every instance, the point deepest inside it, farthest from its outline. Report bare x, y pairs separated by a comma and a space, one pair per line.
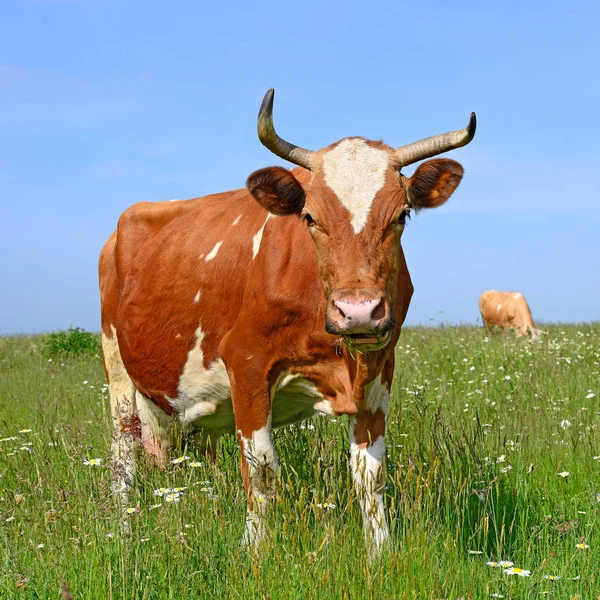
196, 297
258, 237
355, 172
214, 251
124, 416
367, 458
262, 467
157, 429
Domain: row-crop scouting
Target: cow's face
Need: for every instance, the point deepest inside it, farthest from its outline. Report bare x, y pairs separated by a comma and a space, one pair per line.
355, 205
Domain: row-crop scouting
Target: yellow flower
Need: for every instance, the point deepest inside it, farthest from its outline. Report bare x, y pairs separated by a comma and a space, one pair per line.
93, 462
517, 571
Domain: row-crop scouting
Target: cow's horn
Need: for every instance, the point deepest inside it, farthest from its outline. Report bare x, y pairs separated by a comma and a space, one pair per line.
268, 136
436, 144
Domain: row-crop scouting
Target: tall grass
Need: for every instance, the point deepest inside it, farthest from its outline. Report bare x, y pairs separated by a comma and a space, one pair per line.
465, 408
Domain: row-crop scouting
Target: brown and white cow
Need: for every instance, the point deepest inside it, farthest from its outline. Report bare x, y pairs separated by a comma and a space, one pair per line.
248, 310
508, 310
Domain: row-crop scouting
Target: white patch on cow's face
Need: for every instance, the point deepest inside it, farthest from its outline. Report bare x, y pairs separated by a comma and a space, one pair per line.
213, 252
355, 172
237, 220
258, 237
197, 297
500, 305
203, 392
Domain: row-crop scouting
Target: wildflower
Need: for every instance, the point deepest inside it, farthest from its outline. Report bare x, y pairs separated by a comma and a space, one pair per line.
145, 539
563, 474
109, 535
328, 506
40, 546
517, 571
25, 448
491, 563
501, 458
552, 577
10, 519
594, 457
131, 510
8, 439
530, 469
496, 596
590, 395
173, 498
597, 496
93, 462
506, 564
506, 469
155, 506
581, 546
195, 463
576, 578
24, 430
179, 460
565, 423
474, 551
118, 487
178, 490
162, 491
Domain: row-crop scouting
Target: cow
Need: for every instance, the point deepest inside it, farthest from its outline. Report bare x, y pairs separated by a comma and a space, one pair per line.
508, 310
252, 309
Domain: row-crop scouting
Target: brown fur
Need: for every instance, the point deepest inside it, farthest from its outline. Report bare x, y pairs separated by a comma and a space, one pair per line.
503, 309
265, 314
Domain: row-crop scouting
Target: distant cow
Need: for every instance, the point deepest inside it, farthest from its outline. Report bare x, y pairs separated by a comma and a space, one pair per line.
252, 309
508, 310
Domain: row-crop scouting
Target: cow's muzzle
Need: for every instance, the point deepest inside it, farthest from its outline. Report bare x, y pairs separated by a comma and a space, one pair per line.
364, 318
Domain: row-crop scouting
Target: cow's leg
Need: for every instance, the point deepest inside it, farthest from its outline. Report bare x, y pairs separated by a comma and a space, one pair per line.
367, 456
156, 431
126, 424
259, 462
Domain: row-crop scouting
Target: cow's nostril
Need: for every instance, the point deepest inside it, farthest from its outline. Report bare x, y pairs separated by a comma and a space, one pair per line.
339, 309
379, 311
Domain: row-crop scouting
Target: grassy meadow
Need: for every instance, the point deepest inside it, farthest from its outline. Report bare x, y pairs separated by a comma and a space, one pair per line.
493, 455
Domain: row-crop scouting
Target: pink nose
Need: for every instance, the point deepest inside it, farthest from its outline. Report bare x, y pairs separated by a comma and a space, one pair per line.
355, 313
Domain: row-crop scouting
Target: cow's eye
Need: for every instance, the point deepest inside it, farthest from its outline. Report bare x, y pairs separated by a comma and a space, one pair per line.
402, 218
308, 219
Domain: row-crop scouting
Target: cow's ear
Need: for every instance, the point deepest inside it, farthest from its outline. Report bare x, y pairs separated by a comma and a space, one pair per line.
277, 190
433, 183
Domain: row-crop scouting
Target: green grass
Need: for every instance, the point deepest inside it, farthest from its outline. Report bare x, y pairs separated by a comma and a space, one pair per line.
460, 401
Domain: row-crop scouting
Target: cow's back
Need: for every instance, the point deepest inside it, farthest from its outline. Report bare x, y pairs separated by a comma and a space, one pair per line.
505, 309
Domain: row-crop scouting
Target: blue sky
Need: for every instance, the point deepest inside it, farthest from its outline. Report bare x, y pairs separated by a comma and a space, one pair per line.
106, 102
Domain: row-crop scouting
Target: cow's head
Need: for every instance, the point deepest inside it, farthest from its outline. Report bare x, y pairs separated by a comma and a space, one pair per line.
355, 204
